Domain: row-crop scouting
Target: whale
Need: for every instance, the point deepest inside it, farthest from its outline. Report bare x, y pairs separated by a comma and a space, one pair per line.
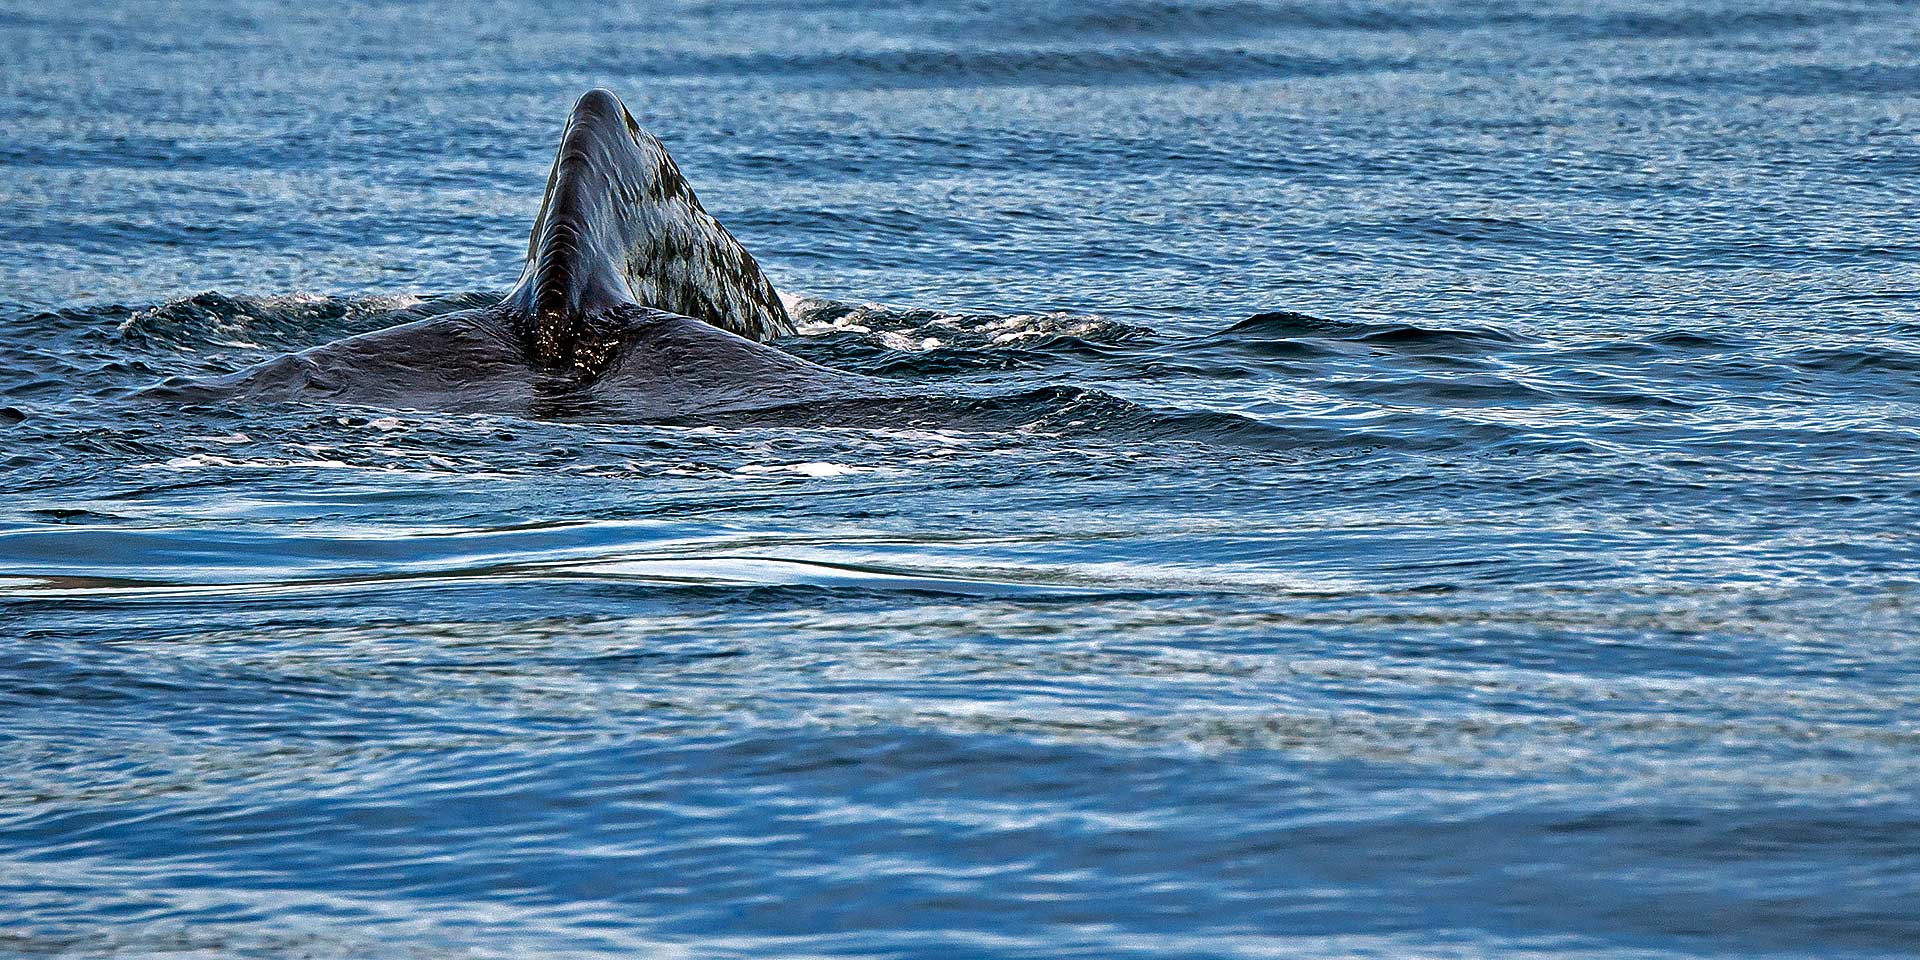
633, 301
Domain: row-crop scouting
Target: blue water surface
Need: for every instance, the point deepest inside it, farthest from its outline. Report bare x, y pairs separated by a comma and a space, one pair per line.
1394, 479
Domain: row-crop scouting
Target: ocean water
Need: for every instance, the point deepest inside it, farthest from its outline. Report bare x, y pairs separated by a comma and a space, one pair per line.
1390, 479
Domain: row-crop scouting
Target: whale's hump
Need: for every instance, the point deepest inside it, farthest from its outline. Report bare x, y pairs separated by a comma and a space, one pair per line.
620, 225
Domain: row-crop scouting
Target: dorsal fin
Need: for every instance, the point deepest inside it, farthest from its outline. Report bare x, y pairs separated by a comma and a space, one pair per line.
619, 224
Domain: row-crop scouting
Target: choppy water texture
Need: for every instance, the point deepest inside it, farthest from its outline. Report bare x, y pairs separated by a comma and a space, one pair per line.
1383, 479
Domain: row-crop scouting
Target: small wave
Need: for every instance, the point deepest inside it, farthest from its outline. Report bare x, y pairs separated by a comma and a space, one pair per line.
713, 576
1873, 79
899, 341
1059, 411
1064, 65
1693, 340
911, 328
1692, 345
1689, 23
1862, 359
1470, 391
1286, 326
811, 469
1137, 19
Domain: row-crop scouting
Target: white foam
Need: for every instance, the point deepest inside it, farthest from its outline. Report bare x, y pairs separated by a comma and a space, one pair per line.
811, 469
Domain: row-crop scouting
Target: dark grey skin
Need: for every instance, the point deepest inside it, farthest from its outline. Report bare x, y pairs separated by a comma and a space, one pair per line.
634, 303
